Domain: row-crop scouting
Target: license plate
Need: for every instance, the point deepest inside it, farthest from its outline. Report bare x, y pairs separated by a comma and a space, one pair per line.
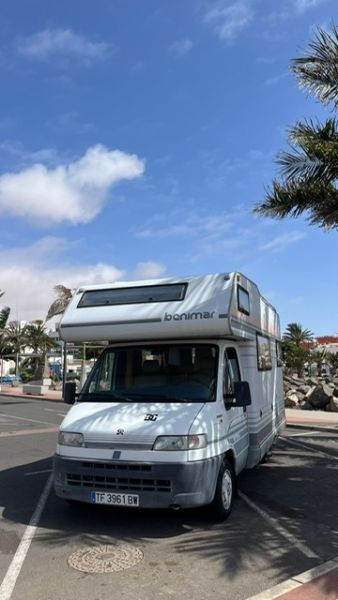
116, 499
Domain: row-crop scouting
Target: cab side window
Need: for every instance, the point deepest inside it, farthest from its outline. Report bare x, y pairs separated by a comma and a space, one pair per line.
231, 371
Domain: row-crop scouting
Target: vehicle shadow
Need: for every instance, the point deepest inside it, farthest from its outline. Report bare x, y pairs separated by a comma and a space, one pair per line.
301, 496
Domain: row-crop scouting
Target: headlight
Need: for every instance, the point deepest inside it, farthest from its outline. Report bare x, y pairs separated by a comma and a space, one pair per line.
180, 442
70, 439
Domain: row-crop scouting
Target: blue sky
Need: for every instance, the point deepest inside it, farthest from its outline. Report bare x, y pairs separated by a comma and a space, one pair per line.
136, 137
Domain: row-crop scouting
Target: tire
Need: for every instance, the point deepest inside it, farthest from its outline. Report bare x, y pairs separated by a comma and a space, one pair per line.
221, 505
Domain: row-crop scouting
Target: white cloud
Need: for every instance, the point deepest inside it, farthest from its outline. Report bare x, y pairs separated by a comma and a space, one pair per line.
304, 5
210, 226
284, 240
229, 18
75, 192
181, 48
277, 79
51, 43
29, 274
149, 270
71, 121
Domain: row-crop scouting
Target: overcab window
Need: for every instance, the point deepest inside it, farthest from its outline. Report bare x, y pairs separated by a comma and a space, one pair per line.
134, 295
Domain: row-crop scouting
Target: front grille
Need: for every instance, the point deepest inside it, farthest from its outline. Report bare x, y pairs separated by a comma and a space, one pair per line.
109, 478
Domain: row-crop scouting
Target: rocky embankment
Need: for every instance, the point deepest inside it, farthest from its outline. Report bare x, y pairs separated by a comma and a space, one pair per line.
311, 393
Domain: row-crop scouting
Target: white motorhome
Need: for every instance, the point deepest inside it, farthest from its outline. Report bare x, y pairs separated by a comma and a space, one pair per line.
187, 393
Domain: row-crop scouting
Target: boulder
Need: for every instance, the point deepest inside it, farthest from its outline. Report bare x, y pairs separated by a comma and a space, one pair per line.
319, 396
291, 401
287, 386
306, 406
332, 406
312, 381
304, 389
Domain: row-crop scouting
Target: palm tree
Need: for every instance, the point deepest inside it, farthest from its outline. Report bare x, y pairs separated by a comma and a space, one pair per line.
59, 305
309, 172
4, 314
333, 360
296, 335
319, 357
295, 357
39, 341
15, 338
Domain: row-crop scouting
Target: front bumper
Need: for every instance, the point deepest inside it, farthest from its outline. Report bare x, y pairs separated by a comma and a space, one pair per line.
158, 485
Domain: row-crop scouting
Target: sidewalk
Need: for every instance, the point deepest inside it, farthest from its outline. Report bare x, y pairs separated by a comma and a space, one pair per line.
320, 583
7, 390
311, 418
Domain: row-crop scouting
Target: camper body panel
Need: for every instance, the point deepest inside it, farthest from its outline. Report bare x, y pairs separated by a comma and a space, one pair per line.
202, 311
266, 414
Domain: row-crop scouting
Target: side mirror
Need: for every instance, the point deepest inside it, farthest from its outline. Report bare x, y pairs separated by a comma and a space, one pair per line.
70, 392
241, 396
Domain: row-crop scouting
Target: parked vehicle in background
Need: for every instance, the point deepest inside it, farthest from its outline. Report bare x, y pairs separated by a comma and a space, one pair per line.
187, 395
11, 379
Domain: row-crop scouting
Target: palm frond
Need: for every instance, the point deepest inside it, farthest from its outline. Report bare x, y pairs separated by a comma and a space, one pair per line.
318, 200
63, 292
317, 71
60, 304
314, 155
4, 314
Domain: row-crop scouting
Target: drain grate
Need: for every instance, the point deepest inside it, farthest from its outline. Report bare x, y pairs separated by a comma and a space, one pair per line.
106, 558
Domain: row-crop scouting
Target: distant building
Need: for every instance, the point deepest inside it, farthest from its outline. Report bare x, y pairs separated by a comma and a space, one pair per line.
329, 343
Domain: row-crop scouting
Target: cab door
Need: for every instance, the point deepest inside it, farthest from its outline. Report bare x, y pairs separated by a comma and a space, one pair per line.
237, 417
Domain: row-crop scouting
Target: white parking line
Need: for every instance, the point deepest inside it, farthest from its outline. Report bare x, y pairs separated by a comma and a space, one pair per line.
13, 572
25, 419
308, 433
279, 528
56, 411
38, 472
306, 447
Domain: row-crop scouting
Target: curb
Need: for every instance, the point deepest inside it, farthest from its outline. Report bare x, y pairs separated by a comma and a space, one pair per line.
314, 427
297, 581
29, 397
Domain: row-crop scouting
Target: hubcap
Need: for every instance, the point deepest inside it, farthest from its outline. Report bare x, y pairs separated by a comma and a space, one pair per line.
226, 489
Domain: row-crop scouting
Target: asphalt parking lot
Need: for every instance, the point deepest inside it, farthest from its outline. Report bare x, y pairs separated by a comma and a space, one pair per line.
284, 522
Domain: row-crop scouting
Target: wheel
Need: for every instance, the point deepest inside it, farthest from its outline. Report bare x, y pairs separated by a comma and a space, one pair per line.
221, 505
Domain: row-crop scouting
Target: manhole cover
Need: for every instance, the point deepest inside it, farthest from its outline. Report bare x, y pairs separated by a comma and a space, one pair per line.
106, 558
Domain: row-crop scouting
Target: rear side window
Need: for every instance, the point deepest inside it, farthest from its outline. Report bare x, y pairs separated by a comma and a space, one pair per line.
279, 354
264, 360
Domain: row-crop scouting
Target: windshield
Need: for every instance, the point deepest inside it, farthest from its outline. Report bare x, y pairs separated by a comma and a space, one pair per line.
161, 373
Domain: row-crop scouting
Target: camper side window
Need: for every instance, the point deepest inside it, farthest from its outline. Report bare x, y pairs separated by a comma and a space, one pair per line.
279, 354
231, 372
243, 300
264, 360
